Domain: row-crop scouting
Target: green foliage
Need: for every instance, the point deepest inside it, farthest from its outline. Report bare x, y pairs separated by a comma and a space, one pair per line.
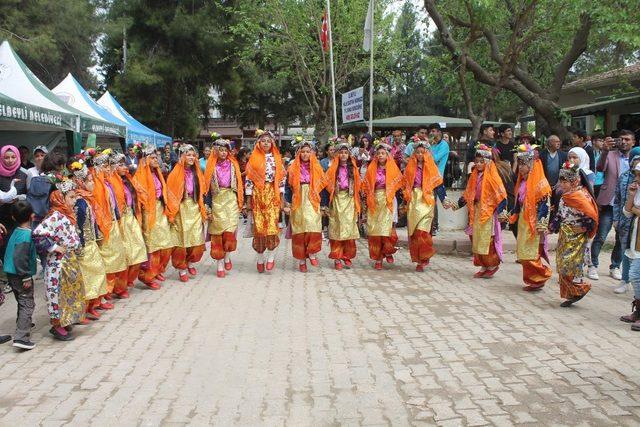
177, 50
53, 37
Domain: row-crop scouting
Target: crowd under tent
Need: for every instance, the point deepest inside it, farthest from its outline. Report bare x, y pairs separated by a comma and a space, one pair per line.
136, 131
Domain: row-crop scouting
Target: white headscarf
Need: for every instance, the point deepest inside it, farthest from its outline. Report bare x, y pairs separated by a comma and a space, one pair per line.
584, 159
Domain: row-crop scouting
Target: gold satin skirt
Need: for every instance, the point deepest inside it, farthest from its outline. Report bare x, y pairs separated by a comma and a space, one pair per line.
92, 267
134, 247
482, 233
160, 236
419, 213
305, 219
343, 223
187, 227
112, 251
224, 212
380, 223
266, 211
527, 247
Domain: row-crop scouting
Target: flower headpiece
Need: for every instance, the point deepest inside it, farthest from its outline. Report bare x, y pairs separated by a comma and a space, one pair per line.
484, 151
147, 149
215, 136
136, 147
301, 143
62, 182
381, 145
101, 159
264, 134
525, 152
115, 157
343, 146
185, 148
79, 169
569, 171
220, 142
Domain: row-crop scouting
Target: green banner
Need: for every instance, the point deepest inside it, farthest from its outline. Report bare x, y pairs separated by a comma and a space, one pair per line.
20, 112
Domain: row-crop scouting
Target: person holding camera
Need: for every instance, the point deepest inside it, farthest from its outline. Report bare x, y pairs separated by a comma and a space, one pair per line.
613, 162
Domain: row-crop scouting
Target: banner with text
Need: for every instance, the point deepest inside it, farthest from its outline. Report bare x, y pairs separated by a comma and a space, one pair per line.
353, 106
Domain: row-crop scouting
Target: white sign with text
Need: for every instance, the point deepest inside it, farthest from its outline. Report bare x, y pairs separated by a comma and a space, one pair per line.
353, 106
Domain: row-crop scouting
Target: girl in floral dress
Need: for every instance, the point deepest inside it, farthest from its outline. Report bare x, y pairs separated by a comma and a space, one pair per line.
57, 239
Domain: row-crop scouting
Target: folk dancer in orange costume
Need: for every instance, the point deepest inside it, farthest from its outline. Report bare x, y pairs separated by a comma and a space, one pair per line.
343, 186
155, 225
577, 221
486, 198
305, 182
187, 212
264, 189
421, 179
531, 213
381, 182
111, 245
225, 198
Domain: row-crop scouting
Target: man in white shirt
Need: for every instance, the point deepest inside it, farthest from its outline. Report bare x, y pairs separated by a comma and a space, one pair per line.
38, 156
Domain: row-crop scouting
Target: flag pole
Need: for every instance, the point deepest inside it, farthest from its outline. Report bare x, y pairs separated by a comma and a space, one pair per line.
333, 77
371, 72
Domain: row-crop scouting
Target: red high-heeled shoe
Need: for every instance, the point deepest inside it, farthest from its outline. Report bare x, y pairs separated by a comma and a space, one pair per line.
153, 285
260, 266
303, 267
378, 265
160, 277
192, 271
270, 265
228, 266
221, 274
338, 264
314, 261
184, 278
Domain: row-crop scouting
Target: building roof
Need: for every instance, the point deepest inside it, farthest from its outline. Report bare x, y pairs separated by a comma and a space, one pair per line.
608, 77
415, 121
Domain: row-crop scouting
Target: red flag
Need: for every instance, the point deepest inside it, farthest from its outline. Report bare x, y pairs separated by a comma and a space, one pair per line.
324, 33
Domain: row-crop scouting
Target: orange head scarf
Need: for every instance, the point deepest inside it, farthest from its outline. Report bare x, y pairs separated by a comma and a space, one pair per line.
118, 189
431, 177
393, 182
89, 196
57, 204
492, 192
210, 169
102, 203
139, 196
316, 184
581, 200
332, 177
256, 168
176, 185
538, 188
147, 195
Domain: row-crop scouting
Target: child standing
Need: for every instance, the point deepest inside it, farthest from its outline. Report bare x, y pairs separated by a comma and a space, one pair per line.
20, 266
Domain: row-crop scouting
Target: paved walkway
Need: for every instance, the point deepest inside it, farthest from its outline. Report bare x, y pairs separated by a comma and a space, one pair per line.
357, 347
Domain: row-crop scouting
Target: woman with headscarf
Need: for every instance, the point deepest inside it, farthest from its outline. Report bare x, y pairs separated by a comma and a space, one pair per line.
264, 188
305, 181
421, 179
577, 222
57, 238
155, 226
579, 157
531, 216
223, 183
343, 186
381, 182
187, 212
13, 182
112, 244
90, 260
485, 197
128, 196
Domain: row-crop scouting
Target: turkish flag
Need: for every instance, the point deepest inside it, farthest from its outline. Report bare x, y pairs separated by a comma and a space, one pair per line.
324, 33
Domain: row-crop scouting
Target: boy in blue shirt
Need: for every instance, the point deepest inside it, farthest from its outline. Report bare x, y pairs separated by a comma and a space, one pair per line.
20, 266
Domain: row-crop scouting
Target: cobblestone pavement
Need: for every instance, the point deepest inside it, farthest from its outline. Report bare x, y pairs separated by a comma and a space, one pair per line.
356, 347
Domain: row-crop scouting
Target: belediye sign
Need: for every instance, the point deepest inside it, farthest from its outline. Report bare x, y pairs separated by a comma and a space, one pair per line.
353, 106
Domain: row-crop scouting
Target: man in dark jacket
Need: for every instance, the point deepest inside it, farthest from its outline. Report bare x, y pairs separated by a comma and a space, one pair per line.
552, 159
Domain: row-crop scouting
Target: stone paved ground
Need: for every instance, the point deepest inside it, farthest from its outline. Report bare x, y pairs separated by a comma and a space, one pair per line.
356, 347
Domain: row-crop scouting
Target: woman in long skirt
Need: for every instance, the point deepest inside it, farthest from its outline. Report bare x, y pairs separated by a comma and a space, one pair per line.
381, 182
57, 239
223, 184
577, 222
91, 264
486, 198
187, 212
421, 179
112, 244
128, 192
264, 189
305, 180
531, 213
155, 225
343, 186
